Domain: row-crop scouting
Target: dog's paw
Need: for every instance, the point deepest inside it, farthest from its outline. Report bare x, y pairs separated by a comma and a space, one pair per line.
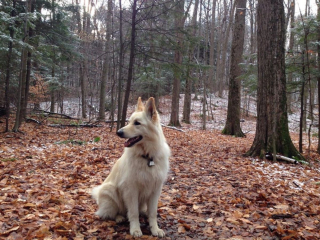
120, 219
136, 232
158, 232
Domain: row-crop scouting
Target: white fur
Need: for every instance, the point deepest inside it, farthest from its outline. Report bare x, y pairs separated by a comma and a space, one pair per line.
133, 187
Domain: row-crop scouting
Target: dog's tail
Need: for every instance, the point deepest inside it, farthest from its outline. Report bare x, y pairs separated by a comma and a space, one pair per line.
95, 193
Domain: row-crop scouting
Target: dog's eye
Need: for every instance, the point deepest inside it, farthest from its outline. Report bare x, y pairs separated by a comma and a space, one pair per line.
136, 123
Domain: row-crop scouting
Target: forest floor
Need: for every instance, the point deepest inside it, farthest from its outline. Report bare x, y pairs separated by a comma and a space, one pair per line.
212, 191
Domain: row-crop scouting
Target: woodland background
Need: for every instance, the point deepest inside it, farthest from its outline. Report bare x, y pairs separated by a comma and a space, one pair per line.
70, 75
88, 59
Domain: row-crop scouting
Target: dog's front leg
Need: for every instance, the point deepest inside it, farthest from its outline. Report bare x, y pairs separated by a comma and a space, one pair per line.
131, 201
152, 214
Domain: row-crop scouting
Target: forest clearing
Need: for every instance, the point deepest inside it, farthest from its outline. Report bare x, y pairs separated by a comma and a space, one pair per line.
212, 191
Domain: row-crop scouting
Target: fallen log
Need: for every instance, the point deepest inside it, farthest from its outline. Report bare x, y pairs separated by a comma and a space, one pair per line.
269, 156
74, 125
174, 128
33, 120
53, 114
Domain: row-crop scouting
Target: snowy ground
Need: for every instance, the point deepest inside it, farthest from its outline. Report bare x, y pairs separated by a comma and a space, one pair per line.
216, 114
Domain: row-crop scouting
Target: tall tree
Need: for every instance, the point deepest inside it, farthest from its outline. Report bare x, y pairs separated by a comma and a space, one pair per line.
106, 63
8, 70
131, 62
212, 39
23, 72
120, 64
187, 95
232, 126
318, 77
179, 19
272, 133
224, 41
179, 23
291, 43
28, 66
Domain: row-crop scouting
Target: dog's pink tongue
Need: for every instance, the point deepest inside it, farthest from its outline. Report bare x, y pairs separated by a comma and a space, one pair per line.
128, 143
132, 141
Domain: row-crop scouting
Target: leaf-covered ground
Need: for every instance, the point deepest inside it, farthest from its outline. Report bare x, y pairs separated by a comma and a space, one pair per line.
212, 192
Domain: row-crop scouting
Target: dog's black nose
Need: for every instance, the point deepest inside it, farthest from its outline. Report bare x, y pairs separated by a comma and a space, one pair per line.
120, 133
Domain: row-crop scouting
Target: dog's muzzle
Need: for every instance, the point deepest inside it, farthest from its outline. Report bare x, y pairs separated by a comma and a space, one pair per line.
131, 141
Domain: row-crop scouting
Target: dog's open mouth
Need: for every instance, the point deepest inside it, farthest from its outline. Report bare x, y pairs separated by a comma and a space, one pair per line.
132, 141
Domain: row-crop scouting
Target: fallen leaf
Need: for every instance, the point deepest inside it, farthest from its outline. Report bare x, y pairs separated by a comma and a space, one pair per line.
10, 230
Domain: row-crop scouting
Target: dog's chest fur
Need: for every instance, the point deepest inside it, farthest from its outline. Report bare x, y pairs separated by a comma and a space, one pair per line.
143, 177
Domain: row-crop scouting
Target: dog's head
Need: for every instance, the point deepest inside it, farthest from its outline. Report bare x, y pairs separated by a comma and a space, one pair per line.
143, 124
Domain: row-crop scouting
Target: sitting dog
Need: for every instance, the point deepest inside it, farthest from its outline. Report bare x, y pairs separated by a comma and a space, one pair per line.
135, 181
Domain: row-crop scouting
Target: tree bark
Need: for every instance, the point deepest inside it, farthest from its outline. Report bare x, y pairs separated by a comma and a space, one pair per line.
107, 60
187, 94
8, 70
52, 92
120, 68
29, 66
23, 73
252, 30
291, 43
179, 24
302, 103
221, 66
318, 78
272, 132
212, 39
82, 89
131, 62
232, 126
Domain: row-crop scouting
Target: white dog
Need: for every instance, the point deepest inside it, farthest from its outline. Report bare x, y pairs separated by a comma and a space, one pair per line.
135, 181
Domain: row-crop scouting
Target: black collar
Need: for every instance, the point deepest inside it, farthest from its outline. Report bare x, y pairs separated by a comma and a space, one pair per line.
150, 160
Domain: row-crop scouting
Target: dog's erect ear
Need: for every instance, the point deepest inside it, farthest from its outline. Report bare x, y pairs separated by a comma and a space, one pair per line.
151, 110
140, 106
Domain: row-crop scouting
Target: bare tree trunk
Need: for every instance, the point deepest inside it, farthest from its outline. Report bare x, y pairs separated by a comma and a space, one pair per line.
113, 82
106, 63
120, 69
307, 8
82, 89
29, 66
131, 62
221, 73
28, 77
180, 18
52, 92
272, 132
8, 71
306, 85
212, 39
187, 95
302, 104
252, 32
82, 65
291, 43
318, 78
232, 126
204, 105
23, 73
